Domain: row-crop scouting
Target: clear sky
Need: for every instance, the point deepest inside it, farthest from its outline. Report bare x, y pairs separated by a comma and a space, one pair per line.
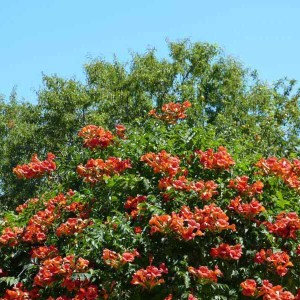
59, 36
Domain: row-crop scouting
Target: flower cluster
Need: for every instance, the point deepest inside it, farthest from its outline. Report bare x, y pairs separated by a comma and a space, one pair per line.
286, 225
289, 171
58, 268
120, 131
10, 236
44, 252
116, 260
241, 185
247, 210
205, 189
205, 275
132, 204
162, 162
182, 225
267, 291
171, 112
188, 225
18, 292
279, 261
25, 205
220, 160
96, 169
35, 168
149, 277
79, 209
96, 137
225, 251
38, 225
212, 218
72, 226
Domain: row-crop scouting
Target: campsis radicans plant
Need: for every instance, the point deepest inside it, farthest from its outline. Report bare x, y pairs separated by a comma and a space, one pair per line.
223, 228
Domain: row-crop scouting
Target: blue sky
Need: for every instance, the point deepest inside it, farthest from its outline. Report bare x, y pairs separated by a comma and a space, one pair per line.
59, 36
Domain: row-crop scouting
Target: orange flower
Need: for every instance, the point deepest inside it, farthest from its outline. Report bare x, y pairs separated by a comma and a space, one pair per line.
212, 218
286, 225
205, 190
44, 252
35, 168
279, 261
72, 226
270, 292
289, 171
10, 236
116, 260
248, 287
247, 210
58, 268
132, 204
241, 185
182, 224
219, 160
96, 169
19, 293
96, 137
120, 131
171, 112
226, 251
205, 275
162, 162
149, 277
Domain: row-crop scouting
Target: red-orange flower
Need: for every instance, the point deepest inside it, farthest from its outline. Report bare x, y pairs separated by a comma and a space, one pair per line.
10, 236
182, 224
162, 162
58, 268
286, 225
171, 112
283, 168
205, 190
23, 206
44, 252
270, 292
96, 137
226, 251
132, 204
241, 185
96, 169
248, 287
72, 226
35, 168
120, 131
205, 275
116, 260
247, 210
18, 292
212, 218
215, 160
149, 277
279, 261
